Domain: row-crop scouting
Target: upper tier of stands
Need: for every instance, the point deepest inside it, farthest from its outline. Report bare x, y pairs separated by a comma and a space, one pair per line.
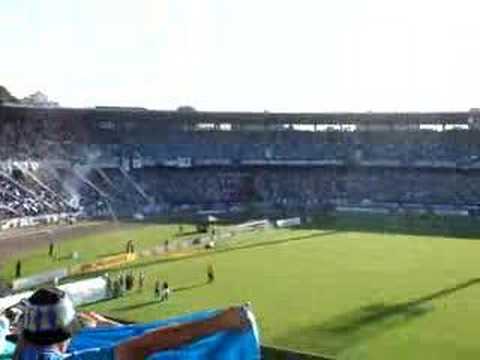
109, 136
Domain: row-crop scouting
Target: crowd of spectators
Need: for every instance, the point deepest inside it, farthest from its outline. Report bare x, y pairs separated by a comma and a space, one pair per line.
109, 192
124, 176
114, 192
39, 136
402, 148
303, 186
185, 186
401, 154
21, 195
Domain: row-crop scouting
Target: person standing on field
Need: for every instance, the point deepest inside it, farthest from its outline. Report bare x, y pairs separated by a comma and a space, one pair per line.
122, 283
128, 281
130, 249
165, 291
210, 273
157, 288
51, 249
108, 279
141, 280
18, 269
117, 288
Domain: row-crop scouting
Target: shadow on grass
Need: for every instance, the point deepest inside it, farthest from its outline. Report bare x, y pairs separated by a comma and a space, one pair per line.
149, 303
63, 258
102, 301
188, 233
190, 287
115, 253
424, 225
137, 306
201, 253
344, 330
220, 250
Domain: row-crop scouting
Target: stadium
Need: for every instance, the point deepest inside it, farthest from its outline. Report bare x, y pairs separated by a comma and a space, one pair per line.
349, 233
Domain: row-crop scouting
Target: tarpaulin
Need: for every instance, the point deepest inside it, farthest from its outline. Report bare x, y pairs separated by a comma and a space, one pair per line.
225, 345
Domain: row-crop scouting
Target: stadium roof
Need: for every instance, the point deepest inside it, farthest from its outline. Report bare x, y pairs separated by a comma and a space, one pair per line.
141, 114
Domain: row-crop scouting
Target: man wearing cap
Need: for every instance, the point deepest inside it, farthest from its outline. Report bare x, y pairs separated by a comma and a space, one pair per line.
50, 320
48, 324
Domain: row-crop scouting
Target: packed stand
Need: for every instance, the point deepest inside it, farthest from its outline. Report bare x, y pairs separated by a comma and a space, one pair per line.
21, 196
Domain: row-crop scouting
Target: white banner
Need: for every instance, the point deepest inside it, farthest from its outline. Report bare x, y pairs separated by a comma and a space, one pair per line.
289, 222
35, 220
450, 212
39, 279
253, 225
81, 292
368, 210
86, 291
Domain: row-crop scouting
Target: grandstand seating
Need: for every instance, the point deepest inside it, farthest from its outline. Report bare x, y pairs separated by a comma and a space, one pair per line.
24, 195
103, 161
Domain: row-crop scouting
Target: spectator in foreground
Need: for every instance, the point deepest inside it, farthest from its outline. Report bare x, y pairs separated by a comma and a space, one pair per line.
50, 321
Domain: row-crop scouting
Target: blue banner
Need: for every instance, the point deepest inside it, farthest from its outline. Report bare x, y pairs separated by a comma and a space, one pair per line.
225, 345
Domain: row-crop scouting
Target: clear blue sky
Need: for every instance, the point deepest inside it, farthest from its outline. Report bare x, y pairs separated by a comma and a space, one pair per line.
277, 55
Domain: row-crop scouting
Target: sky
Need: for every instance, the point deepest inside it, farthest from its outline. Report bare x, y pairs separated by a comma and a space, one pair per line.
245, 55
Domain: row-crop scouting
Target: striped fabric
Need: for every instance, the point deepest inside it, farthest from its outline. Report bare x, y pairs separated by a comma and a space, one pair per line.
40, 318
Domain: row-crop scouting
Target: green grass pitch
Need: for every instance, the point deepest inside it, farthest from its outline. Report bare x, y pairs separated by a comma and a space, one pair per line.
345, 289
